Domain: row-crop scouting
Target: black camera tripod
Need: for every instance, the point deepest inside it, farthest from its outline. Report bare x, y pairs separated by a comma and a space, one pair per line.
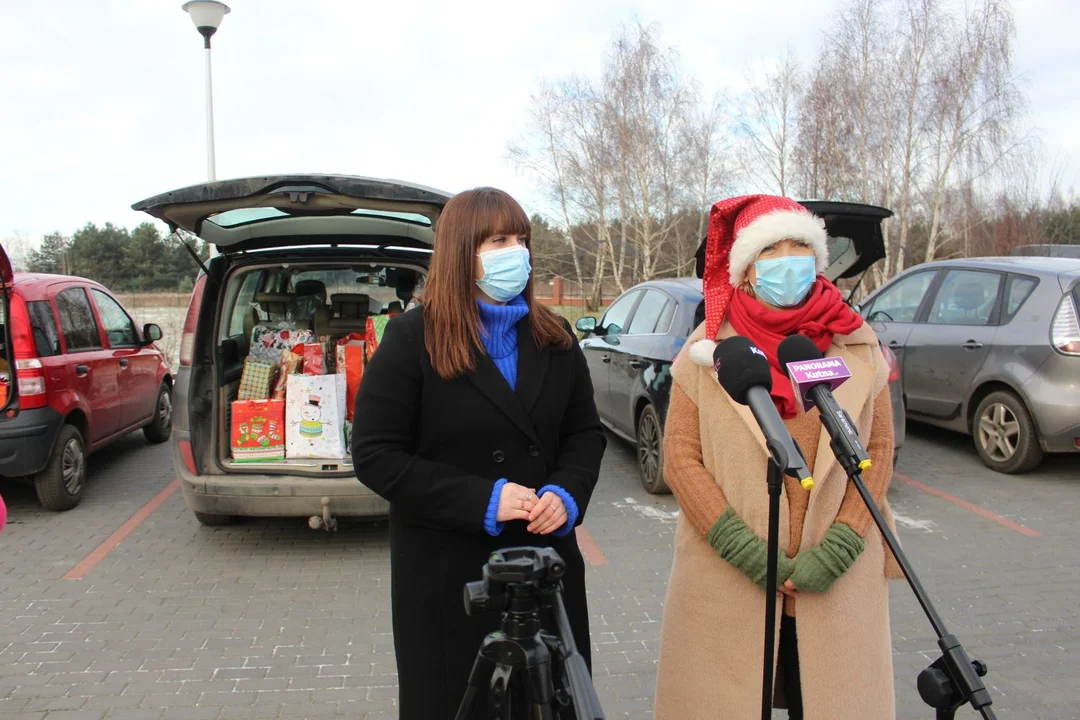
529, 673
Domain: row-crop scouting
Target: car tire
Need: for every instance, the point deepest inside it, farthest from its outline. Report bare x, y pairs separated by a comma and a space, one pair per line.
1005, 435
160, 428
650, 451
214, 520
60, 485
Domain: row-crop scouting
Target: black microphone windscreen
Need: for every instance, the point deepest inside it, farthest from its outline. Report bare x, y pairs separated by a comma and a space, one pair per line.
795, 348
741, 365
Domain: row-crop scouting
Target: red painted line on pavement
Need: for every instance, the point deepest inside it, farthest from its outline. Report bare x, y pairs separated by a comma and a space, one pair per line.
589, 548
102, 551
1004, 522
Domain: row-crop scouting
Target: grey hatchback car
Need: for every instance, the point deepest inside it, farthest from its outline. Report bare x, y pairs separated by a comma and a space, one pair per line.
989, 347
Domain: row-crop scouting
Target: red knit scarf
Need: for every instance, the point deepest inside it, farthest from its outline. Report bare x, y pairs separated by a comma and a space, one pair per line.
822, 315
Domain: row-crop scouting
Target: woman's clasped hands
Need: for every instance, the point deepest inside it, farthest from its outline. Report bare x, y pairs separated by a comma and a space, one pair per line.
544, 514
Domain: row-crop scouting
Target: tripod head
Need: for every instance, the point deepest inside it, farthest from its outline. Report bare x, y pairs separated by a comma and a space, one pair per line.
517, 581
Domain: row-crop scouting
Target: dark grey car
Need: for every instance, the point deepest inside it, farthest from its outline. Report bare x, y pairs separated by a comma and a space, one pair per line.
989, 347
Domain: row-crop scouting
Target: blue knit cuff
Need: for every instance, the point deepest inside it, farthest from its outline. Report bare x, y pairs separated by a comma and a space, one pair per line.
571, 508
494, 528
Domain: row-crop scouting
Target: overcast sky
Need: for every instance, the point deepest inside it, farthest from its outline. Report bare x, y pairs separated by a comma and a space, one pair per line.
103, 100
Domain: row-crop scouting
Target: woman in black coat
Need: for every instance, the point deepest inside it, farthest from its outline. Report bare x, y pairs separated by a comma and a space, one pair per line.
475, 419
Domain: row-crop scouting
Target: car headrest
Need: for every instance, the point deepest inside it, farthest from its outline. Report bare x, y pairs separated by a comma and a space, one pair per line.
350, 305
312, 287
969, 296
273, 303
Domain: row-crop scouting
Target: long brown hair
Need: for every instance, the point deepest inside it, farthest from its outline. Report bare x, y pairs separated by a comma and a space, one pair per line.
451, 318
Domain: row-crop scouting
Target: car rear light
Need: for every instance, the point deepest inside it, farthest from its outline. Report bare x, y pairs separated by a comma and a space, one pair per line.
29, 372
187, 339
187, 456
894, 366
1065, 330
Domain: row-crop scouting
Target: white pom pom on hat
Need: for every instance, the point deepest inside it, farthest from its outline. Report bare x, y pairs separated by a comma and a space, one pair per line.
739, 229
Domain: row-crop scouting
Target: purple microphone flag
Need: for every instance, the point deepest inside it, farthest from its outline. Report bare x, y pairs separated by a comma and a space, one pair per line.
805, 374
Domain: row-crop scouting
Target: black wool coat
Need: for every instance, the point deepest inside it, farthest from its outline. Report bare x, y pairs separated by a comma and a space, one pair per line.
434, 449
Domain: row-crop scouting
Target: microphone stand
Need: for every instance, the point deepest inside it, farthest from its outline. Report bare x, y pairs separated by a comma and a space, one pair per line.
954, 678
778, 460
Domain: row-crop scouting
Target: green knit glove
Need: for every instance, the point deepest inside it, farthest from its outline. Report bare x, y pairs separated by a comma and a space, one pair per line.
738, 544
817, 568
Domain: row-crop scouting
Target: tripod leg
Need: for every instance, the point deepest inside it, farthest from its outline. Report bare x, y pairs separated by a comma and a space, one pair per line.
481, 676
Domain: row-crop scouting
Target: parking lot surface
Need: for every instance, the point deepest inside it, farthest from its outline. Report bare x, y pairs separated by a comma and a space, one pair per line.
126, 608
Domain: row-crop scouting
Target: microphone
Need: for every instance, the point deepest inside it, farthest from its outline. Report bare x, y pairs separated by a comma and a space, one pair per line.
814, 378
743, 371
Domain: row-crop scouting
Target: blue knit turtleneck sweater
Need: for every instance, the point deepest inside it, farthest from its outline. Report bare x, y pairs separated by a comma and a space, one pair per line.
500, 335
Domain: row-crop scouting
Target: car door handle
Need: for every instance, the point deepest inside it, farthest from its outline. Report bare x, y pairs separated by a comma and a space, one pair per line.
82, 370
972, 345
894, 345
123, 362
638, 363
605, 358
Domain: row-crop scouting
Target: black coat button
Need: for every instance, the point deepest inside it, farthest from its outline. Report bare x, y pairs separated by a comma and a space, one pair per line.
534, 451
498, 456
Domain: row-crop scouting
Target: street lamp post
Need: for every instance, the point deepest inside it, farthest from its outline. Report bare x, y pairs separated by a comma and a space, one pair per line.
207, 16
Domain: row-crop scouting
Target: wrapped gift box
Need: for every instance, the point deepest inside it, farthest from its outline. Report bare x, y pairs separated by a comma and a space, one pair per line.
269, 341
257, 380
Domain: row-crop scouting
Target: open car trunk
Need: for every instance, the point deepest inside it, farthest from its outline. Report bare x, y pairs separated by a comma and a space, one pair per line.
319, 302
856, 240
316, 255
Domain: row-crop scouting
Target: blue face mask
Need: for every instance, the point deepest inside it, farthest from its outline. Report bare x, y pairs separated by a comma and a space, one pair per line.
785, 281
506, 273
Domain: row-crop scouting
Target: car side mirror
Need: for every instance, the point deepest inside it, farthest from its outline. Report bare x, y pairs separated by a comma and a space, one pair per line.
586, 325
151, 332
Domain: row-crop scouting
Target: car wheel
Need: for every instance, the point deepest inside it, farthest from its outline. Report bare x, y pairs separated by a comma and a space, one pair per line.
650, 451
160, 428
214, 520
1005, 434
60, 485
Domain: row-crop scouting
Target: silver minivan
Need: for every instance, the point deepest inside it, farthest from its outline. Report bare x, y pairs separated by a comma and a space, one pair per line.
989, 347
342, 248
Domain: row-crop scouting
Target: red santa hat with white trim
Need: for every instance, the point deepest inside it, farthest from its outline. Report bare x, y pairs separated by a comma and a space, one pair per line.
739, 229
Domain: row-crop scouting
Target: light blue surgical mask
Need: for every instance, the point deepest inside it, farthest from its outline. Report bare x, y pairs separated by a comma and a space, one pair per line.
785, 281
506, 272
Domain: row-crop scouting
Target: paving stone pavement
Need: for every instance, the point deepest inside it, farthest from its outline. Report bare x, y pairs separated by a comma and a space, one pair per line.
269, 619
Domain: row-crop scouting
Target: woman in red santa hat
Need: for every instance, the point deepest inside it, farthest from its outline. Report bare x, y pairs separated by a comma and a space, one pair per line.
834, 656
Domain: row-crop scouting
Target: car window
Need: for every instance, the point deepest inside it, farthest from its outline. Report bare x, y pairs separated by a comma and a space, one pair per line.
244, 303
901, 301
77, 320
966, 297
43, 325
648, 313
663, 325
614, 321
119, 327
1019, 290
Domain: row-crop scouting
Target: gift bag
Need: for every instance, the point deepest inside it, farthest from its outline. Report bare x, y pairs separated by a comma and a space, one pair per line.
258, 430
376, 326
257, 380
268, 341
315, 416
350, 363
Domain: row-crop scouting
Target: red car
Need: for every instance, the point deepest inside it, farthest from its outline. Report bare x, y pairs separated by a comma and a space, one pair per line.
75, 374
